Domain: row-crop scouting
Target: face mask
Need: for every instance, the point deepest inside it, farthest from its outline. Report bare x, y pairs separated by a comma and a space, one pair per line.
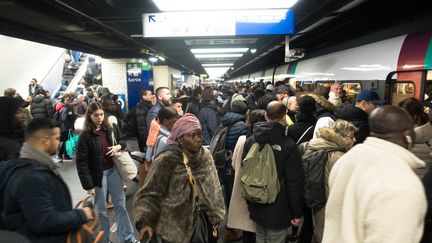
410, 142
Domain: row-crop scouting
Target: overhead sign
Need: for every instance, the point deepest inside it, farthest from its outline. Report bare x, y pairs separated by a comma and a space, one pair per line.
219, 23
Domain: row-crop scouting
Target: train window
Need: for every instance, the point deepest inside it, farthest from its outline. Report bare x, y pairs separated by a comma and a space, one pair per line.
429, 75
352, 89
401, 91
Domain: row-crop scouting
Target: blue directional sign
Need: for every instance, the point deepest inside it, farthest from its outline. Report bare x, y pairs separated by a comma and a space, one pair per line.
219, 23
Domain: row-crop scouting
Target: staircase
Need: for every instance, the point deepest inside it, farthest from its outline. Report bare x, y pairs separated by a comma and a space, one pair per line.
70, 71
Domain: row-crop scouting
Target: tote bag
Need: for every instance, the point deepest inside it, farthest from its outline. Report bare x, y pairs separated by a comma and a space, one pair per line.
124, 163
71, 144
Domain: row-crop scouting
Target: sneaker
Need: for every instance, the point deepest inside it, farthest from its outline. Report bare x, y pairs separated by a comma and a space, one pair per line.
231, 235
109, 205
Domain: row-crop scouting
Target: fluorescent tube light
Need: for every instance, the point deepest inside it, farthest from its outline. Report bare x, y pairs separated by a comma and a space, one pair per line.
218, 65
193, 5
216, 72
153, 59
218, 55
220, 50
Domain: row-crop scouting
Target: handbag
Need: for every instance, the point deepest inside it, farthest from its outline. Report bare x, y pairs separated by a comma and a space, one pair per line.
89, 232
124, 163
201, 227
71, 144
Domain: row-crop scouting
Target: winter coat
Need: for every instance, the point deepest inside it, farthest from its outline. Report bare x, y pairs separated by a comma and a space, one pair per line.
423, 141
152, 114
11, 133
238, 213
296, 130
373, 194
193, 107
42, 107
67, 118
165, 202
210, 120
289, 201
89, 156
37, 202
329, 140
79, 106
236, 127
37, 89
141, 111
427, 182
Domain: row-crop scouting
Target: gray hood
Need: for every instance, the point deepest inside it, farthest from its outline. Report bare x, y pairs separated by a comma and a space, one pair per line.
29, 152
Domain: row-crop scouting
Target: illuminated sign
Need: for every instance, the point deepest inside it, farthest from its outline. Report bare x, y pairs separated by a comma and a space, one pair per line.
219, 23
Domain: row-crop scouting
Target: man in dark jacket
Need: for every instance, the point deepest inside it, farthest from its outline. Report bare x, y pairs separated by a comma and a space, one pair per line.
208, 117
141, 117
67, 120
11, 126
302, 130
36, 200
163, 98
34, 87
273, 220
235, 121
41, 106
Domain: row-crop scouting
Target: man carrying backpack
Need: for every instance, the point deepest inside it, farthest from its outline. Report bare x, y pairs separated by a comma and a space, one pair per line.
274, 219
318, 159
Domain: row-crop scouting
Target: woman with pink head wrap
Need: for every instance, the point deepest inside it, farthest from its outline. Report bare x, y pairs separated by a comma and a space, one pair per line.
166, 207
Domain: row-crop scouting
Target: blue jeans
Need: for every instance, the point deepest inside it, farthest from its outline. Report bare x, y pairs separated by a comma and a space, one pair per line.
112, 183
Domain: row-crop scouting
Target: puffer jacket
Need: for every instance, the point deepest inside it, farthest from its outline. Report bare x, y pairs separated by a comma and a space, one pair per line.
41, 107
90, 155
422, 149
289, 201
165, 202
237, 127
141, 119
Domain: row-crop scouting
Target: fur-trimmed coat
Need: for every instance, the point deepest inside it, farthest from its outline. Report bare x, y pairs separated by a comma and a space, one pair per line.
165, 202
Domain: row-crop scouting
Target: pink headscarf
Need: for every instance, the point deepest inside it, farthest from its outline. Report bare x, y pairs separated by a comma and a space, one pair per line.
185, 124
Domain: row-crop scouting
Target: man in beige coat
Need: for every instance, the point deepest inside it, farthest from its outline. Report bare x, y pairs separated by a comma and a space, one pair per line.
374, 194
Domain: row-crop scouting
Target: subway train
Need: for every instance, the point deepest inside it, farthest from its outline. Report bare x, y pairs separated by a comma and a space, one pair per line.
395, 68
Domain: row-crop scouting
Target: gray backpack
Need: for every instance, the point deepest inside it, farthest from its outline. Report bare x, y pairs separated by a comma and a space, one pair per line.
258, 175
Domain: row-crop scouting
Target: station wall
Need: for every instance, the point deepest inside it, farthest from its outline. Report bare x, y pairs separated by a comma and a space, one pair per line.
22, 60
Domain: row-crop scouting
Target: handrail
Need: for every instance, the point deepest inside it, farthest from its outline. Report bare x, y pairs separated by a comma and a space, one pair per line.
53, 66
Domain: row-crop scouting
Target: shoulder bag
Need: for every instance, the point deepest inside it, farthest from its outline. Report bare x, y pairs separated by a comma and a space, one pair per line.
124, 163
201, 226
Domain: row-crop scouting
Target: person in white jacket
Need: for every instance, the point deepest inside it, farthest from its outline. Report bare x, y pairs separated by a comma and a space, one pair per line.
374, 194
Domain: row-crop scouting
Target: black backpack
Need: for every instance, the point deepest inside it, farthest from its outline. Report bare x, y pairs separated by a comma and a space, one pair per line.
131, 124
218, 147
314, 162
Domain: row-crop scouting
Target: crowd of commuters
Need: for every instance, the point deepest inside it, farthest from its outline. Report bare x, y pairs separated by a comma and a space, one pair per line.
376, 168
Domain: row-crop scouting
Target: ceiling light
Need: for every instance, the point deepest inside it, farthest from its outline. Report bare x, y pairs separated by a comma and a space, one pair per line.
169, 5
218, 55
161, 58
216, 72
253, 50
220, 50
153, 59
217, 65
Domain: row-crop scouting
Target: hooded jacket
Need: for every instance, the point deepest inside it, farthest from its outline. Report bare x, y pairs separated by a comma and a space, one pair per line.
296, 130
236, 127
42, 107
289, 201
165, 202
422, 149
356, 116
11, 133
37, 202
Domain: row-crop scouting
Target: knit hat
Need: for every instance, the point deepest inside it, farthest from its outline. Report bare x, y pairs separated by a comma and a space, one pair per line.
238, 104
185, 124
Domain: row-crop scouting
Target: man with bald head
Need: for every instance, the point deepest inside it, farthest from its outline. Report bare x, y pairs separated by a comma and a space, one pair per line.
374, 194
273, 220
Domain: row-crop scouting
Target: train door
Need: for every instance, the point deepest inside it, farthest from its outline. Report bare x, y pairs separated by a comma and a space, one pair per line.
405, 84
352, 89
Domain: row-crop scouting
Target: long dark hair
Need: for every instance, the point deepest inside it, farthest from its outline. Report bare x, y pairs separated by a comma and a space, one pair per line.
415, 109
88, 123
